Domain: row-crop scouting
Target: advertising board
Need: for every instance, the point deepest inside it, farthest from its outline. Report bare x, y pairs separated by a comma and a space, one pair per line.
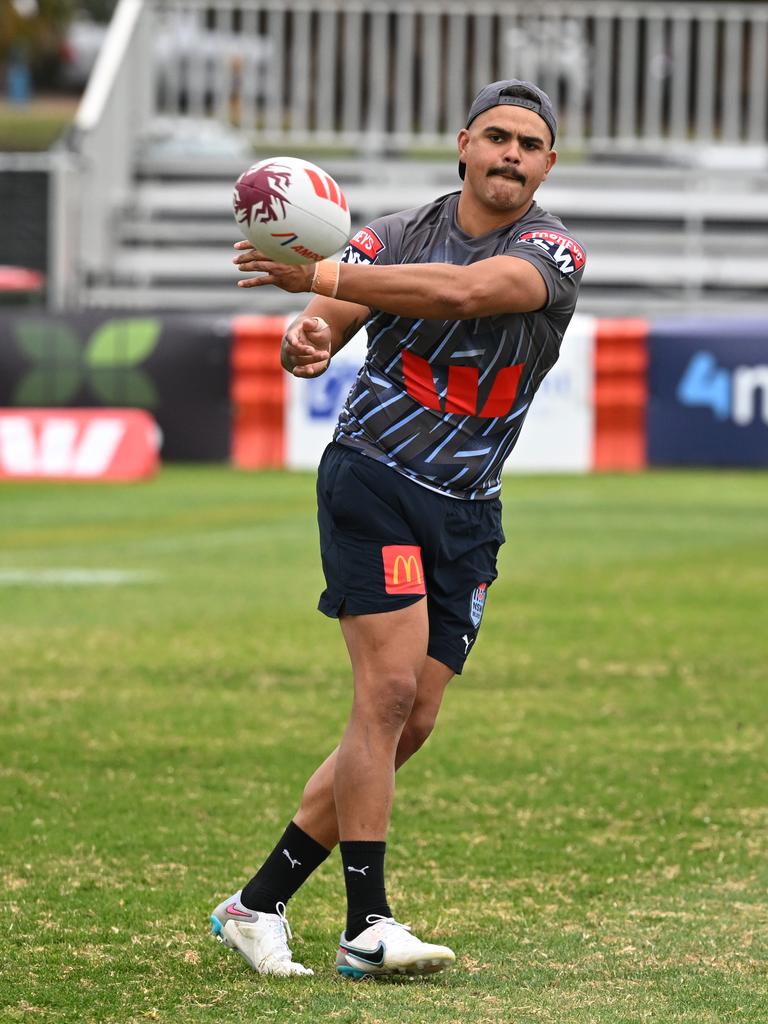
708, 392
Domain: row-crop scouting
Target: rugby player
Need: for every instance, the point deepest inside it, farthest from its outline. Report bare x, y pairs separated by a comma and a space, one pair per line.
465, 302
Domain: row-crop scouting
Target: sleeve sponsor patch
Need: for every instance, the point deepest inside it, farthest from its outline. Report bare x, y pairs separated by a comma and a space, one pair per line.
566, 252
363, 248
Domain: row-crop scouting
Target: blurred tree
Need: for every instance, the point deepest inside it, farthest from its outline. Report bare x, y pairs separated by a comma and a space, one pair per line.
33, 30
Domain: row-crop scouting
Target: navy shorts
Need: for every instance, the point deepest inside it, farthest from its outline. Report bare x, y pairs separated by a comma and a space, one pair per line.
386, 542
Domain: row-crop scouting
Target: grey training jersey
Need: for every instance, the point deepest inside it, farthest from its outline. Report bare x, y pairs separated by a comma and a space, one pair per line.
443, 401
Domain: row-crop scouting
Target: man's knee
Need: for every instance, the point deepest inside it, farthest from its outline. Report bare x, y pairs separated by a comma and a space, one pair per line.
391, 703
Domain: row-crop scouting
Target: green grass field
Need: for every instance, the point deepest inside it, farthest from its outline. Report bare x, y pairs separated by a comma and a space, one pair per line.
588, 826
35, 125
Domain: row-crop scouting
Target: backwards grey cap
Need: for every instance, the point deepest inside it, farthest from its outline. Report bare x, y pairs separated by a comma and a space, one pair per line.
516, 93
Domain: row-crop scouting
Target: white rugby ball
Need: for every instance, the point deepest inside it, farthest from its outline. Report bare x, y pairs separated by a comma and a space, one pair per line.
291, 210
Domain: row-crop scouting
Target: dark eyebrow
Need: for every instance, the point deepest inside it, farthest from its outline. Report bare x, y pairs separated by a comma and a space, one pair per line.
494, 130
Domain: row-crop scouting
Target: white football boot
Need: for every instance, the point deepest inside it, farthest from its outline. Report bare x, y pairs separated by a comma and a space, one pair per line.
388, 947
261, 939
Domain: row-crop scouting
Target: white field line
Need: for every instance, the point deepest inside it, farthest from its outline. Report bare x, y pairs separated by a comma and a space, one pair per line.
74, 577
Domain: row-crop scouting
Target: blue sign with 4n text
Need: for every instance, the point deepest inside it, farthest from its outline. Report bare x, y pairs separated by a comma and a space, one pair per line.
708, 392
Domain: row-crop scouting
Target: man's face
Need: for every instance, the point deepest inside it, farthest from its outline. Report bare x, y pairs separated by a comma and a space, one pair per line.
507, 154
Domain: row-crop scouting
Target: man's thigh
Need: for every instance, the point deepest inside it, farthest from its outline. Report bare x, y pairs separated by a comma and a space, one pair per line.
387, 649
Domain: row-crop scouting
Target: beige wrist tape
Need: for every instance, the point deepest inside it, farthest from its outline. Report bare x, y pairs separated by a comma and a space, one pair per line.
325, 280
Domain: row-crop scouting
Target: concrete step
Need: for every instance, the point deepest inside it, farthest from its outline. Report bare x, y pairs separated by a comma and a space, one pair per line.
196, 264
179, 264
160, 232
684, 205
203, 296
442, 172
614, 302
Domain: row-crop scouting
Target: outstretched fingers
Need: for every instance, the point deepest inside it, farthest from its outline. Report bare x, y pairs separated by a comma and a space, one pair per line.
257, 282
289, 277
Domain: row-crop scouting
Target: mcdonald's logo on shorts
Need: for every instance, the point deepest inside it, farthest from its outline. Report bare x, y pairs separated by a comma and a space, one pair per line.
403, 571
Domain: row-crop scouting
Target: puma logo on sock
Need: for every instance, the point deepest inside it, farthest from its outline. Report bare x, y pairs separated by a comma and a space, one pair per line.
360, 871
294, 863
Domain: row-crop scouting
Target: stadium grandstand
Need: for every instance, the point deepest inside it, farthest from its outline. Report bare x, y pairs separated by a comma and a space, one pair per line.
663, 171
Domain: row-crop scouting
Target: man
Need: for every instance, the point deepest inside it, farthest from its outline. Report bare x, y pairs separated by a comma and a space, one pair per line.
465, 302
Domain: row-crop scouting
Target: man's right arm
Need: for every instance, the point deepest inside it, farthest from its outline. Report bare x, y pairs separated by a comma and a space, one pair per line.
325, 327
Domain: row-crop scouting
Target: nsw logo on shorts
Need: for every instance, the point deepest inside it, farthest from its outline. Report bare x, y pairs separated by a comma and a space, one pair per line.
477, 603
403, 571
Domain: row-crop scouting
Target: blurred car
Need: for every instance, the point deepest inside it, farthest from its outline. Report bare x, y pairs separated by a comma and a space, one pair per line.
79, 49
19, 285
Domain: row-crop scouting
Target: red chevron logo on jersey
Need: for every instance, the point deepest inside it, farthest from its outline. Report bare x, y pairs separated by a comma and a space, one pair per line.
462, 393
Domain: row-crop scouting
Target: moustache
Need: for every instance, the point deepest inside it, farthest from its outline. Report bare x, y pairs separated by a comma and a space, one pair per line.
505, 172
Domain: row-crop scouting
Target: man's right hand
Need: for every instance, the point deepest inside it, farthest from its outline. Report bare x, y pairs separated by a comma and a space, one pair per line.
306, 347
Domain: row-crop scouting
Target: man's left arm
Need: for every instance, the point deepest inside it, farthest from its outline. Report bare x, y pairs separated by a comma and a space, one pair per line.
434, 291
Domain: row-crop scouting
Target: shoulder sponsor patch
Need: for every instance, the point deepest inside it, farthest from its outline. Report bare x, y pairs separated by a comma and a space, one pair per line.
565, 251
363, 248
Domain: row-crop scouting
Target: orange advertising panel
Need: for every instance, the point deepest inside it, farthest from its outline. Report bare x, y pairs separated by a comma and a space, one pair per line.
621, 394
258, 391
77, 444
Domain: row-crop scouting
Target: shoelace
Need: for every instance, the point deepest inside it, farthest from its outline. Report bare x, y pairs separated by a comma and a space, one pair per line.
280, 908
375, 918
282, 933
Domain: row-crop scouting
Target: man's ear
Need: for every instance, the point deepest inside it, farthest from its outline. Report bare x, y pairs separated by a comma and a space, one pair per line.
461, 141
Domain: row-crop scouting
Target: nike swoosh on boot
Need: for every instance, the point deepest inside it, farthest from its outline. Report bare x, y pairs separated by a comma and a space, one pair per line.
375, 957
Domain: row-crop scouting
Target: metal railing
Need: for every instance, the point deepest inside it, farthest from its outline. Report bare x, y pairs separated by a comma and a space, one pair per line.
398, 74
115, 111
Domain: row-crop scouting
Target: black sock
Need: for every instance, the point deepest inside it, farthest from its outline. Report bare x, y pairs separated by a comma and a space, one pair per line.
364, 877
286, 869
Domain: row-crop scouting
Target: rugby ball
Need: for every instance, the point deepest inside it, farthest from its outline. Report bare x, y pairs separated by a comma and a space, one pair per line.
291, 210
